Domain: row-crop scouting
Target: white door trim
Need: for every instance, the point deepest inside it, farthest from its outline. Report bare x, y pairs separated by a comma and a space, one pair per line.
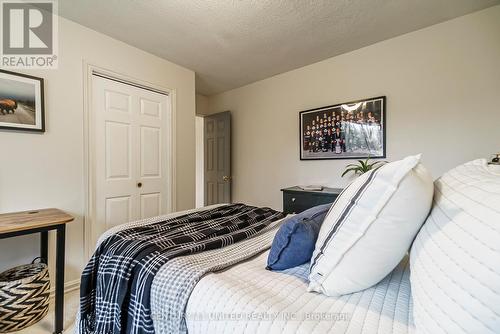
89, 152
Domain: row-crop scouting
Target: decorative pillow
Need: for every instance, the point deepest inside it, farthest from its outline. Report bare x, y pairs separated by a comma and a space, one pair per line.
455, 259
294, 242
370, 228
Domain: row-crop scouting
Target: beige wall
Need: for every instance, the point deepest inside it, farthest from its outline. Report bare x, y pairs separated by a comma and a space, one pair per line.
200, 162
201, 104
201, 109
46, 170
442, 85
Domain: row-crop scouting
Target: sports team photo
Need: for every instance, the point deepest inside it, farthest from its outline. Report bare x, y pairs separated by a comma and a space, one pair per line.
344, 131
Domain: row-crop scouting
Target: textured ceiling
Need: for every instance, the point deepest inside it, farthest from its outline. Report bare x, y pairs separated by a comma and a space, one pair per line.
230, 43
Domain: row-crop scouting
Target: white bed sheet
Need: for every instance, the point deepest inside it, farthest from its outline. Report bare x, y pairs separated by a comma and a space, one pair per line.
247, 298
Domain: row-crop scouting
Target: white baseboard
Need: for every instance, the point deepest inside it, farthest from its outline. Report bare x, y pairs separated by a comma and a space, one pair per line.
68, 287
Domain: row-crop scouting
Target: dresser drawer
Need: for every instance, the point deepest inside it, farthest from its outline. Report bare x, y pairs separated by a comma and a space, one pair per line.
296, 202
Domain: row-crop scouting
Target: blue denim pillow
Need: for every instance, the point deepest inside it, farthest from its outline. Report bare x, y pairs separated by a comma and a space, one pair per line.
294, 242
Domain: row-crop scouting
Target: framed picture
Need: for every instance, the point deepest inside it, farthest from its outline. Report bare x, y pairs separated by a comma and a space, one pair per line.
21, 102
351, 130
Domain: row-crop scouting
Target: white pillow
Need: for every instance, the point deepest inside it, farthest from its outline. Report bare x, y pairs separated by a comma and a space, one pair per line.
370, 227
455, 259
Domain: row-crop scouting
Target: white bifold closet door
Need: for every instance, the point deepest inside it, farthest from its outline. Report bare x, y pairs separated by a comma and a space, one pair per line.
131, 128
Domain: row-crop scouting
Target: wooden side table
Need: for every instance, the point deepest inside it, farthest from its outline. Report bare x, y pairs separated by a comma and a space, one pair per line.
42, 221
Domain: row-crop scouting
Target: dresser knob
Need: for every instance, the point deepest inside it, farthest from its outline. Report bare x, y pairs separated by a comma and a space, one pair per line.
293, 199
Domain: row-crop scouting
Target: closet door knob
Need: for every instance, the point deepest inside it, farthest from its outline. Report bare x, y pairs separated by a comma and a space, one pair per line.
139, 184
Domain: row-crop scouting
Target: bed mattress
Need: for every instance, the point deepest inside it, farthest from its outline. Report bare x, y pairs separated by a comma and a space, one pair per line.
247, 298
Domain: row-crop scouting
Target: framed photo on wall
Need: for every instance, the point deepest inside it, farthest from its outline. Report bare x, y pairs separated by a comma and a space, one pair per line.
350, 130
21, 102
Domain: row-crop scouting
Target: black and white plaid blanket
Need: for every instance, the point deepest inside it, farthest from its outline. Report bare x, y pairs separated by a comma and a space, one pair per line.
116, 283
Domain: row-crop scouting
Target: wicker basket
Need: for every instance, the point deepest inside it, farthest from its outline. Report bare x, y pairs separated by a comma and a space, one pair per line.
24, 296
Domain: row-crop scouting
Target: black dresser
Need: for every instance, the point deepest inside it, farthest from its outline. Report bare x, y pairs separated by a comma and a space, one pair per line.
296, 200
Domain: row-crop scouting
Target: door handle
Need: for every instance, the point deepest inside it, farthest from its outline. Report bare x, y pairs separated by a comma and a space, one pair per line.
226, 178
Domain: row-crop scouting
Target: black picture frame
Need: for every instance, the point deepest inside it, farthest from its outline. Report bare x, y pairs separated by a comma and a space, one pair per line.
23, 94
358, 137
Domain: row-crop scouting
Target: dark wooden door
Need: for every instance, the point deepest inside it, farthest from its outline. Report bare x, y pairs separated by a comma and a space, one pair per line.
217, 142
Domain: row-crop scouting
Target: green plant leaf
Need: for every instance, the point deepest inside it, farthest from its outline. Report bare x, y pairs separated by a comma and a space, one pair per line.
362, 164
352, 169
351, 165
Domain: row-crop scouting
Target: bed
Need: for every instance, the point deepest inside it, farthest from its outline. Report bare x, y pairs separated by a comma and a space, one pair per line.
228, 290
247, 298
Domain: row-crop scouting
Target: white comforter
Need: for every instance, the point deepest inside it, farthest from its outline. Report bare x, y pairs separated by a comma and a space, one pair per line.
247, 298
